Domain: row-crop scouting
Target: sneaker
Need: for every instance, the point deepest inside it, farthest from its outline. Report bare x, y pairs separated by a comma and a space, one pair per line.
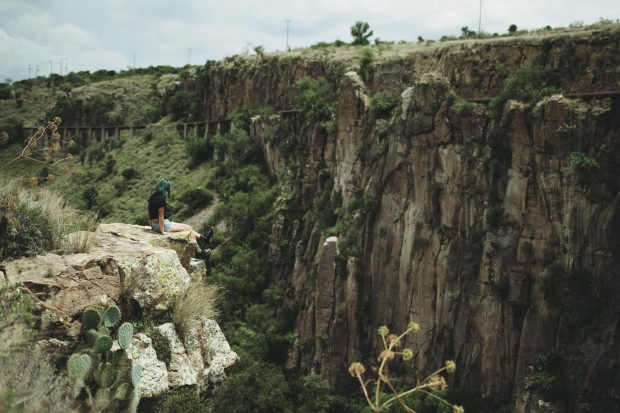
208, 234
204, 253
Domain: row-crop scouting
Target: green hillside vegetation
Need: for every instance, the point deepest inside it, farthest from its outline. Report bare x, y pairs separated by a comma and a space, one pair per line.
122, 172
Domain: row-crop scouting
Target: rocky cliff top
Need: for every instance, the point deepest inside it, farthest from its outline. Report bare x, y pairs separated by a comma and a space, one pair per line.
144, 274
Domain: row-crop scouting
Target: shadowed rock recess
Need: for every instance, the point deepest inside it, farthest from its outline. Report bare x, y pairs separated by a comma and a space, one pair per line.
483, 227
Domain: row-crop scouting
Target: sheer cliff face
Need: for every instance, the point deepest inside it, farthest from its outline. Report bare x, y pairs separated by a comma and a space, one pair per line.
494, 232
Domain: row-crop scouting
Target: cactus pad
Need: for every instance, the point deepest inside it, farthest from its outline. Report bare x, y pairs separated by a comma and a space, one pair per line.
122, 392
104, 331
105, 375
136, 376
112, 316
103, 344
102, 399
125, 334
90, 337
90, 319
78, 365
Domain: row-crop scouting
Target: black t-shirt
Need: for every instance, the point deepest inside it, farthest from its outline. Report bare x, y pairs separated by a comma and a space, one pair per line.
157, 201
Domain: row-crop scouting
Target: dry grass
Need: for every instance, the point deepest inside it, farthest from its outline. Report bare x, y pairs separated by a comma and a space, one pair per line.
29, 382
77, 242
56, 218
199, 301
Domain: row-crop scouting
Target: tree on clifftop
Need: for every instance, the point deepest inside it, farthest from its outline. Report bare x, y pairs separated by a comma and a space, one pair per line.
360, 33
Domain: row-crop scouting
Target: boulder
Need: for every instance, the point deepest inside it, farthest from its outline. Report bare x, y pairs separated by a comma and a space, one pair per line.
180, 371
209, 352
180, 242
154, 380
120, 258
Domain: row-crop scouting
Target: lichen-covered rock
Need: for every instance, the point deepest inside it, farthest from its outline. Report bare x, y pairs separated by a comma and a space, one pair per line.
154, 373
209, 352
158, 279
197, 269
180, 242
120, 257
180, 371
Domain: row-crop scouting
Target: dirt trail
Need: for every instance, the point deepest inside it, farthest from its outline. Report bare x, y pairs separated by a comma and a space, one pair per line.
198, 220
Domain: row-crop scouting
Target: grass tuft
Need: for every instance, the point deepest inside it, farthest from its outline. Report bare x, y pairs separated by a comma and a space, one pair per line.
198, 302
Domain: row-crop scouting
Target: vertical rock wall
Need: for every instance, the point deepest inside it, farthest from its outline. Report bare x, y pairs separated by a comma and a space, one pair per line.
484, 229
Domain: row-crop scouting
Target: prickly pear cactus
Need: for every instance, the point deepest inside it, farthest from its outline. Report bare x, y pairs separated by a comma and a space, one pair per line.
111, 316
125, 334
105, 375
103, 379
90, 319
78, 365
103, 344
122, 392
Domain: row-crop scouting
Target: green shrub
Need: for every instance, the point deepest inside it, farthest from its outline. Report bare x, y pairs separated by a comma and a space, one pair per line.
583, 162
130, 173
361, 34
14, 128
314, 395
182, 400
89, 196
96, 154
527, 84
258, 388
367, 56
199, 150
5, 91
313, 100
197, 198
547, 384
186, 106
383, 104
109, 165
161, 345
460, 104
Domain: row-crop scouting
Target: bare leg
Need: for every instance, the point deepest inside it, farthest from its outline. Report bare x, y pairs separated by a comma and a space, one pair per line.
176, 227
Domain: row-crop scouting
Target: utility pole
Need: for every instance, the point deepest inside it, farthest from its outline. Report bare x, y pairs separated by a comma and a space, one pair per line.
37, 72
29, 70
66, 66
287, 22
60, 65
480, 19
50, 67
134, 61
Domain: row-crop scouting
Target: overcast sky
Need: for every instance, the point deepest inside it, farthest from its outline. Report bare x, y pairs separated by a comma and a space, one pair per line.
44, 36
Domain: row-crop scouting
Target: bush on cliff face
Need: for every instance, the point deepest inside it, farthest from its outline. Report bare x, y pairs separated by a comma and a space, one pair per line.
528, 84
314, 105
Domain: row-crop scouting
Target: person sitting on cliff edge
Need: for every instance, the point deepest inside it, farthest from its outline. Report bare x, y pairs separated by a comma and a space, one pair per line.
158, 218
